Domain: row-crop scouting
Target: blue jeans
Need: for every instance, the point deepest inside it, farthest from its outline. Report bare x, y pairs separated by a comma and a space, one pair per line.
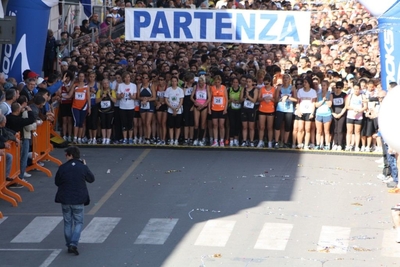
73, 223
393, 166
24, 156
9, 159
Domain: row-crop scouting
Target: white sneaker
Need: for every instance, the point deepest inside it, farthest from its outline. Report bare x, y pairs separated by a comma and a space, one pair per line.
176, 143
196, 142
215, 143
334, 148
362, 149
90, 141
202, 143
269, 144
79, 141
378, 149
300, 146
65, 138
251, 144
27, 175
356, 149
40, 163
236, 142
108, 140
84, 140
244, 144
69, 139
231, 143
94, 142
261, 144
221, 143
367, 149
389, 179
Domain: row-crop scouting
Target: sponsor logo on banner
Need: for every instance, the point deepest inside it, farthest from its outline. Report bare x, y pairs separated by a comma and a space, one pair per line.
392, 65
253, 26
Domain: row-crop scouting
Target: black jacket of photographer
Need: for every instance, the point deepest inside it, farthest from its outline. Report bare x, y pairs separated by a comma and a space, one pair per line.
71, 179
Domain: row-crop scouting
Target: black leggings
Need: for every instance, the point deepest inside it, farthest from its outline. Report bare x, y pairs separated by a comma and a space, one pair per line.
338, 130
126, 119
283, 116
93, 118
106, 120
235, 123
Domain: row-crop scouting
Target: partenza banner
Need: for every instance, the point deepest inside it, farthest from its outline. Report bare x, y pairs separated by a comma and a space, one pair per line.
234, 26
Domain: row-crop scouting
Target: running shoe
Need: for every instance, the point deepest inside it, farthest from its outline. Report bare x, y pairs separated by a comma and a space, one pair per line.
269, 144
196, 142
244, 144
251, 144
221, 143
231, 143
125, 141
130, 141
334, 147
367, 149
94, 141
236, 142
311, 146
215, 143
176, 143
356, 149
261, 144
277, 145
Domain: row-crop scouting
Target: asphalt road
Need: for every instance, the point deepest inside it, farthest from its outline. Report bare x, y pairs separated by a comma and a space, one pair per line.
190, 208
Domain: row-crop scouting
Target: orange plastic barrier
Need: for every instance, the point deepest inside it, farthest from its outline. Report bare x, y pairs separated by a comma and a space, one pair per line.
1, 215
15, 151
4, 192
41, 148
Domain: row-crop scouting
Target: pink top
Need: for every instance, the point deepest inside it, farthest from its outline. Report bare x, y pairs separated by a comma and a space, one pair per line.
201, 94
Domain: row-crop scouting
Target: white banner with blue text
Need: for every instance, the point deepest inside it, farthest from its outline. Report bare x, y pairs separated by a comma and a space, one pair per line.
227, 26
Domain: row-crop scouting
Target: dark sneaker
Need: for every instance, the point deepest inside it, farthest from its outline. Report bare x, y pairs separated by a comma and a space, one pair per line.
15, 186
73, 249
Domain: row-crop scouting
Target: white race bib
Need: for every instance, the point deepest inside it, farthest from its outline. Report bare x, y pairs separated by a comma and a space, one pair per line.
188, 91
248, 104
145, 105
338, 101
105, 104
79, 96
201, 95
160, 94
236, 105
218, 100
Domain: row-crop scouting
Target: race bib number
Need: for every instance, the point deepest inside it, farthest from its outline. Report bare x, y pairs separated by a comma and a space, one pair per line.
80, 96
160, 94
268, 96
338, 101
92, 96
137, 103
201, 95
188, 91
145, 105
218, 100
105, 104
248, 104
236, 105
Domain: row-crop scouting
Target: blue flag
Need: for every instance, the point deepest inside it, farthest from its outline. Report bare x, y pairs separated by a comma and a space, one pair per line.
87, 7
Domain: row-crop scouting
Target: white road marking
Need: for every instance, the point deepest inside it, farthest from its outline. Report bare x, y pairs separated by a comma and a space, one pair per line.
98, 229
274, 236
156, 231
335, 239
3, 219
37, 229
215, 233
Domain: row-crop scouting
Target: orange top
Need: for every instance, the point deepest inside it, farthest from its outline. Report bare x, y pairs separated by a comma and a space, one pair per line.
264, 106
80, 98
218, 101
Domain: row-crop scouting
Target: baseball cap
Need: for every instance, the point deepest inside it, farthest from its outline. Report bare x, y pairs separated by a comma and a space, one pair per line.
109, 16
33, 74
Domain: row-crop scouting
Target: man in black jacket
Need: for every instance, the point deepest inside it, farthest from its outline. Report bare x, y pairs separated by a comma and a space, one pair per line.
73, 195
16, 123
